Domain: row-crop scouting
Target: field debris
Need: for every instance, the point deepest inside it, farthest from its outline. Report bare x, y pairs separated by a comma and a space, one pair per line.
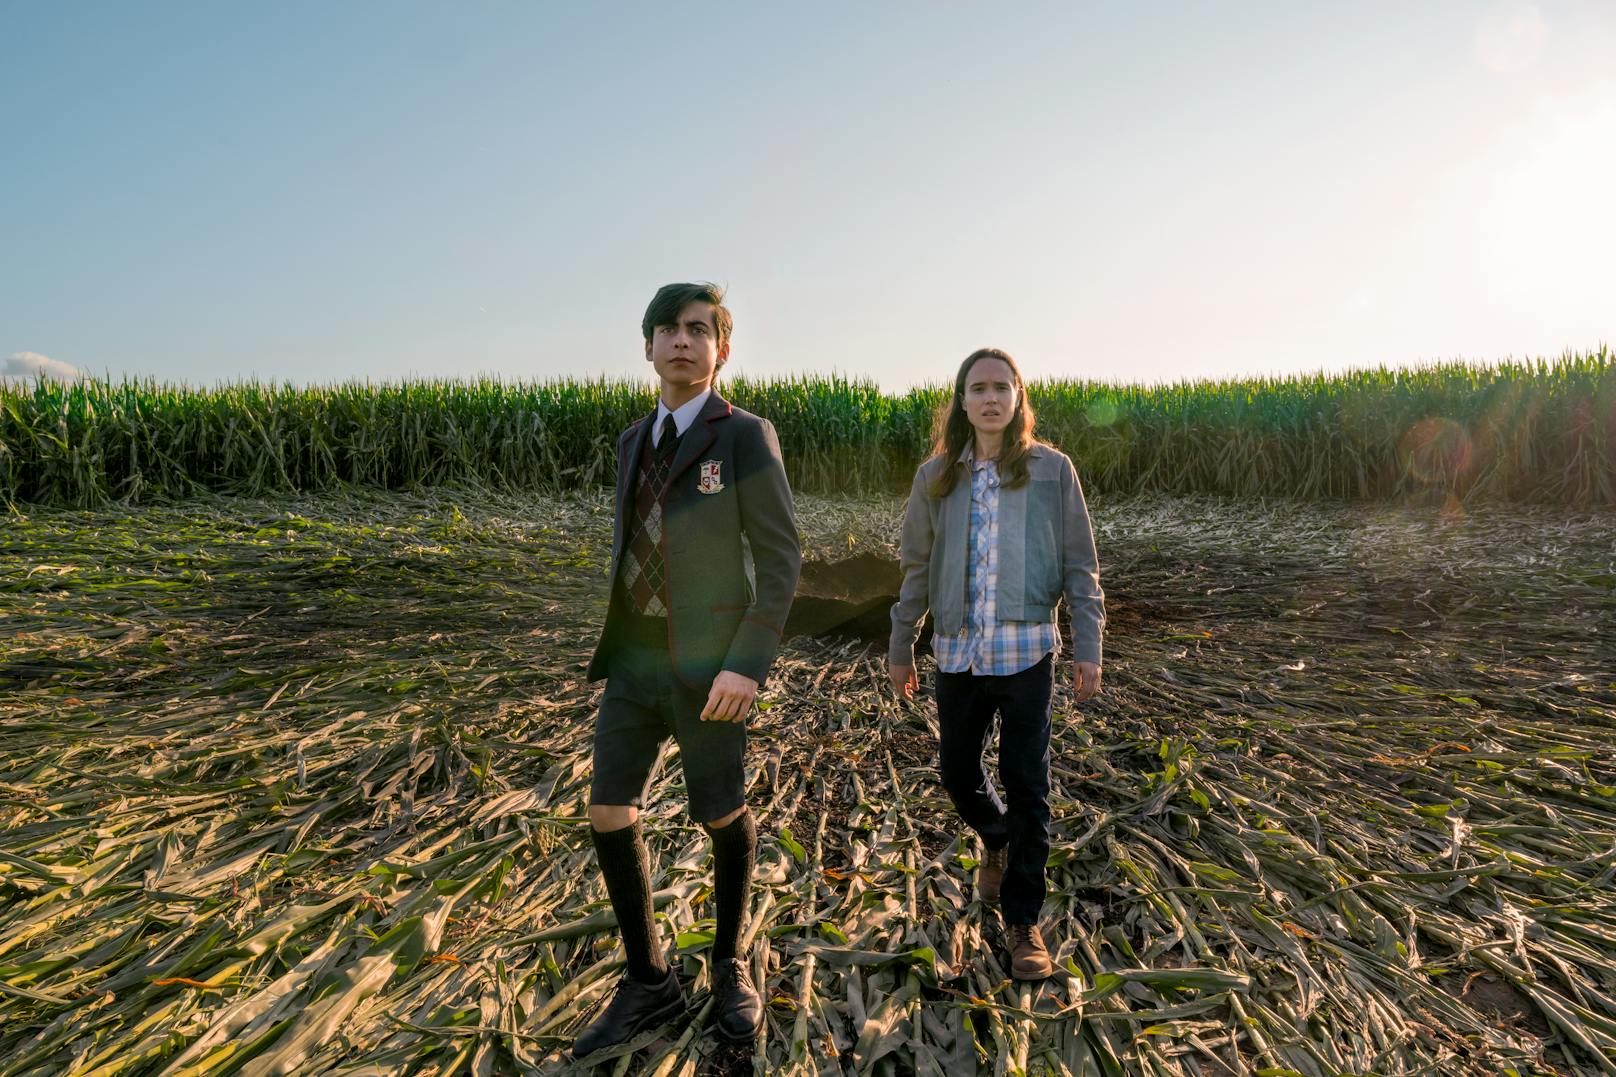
297, 785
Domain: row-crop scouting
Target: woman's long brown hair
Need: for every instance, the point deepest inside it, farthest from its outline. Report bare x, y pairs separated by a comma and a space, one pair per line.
952, 429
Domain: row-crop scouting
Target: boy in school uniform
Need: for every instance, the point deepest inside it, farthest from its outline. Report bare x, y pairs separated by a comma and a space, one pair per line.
691, 631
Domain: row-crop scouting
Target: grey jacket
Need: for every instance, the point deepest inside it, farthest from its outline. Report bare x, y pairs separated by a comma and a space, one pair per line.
1046, 549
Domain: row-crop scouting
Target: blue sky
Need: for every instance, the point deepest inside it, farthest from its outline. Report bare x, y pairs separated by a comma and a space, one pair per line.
315, 192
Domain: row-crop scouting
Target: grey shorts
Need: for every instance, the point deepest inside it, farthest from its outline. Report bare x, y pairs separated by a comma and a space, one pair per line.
644, 705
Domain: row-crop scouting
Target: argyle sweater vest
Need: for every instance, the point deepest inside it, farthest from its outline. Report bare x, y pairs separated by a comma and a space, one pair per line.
644, 571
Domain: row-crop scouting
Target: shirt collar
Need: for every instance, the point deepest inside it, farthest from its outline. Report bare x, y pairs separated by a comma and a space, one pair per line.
967, 457
683, 415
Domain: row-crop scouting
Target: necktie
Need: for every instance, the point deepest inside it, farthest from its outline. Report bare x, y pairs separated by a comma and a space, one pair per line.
668, 438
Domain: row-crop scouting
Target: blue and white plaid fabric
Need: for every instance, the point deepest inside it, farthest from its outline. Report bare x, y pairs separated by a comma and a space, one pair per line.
988, 646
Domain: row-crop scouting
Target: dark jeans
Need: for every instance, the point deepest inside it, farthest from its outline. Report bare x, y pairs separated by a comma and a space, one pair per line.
966, 704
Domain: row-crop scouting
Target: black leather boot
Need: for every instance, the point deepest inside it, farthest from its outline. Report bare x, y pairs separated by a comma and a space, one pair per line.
635, 1008
738, 1010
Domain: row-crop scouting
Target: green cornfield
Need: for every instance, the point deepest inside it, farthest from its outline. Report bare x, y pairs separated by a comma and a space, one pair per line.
1541, 431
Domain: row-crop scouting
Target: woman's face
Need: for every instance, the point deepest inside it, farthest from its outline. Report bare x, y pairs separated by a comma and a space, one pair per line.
990, 395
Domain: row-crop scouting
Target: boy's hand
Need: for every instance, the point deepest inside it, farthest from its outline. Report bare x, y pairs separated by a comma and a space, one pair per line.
1085, 680
730, 699
904, 680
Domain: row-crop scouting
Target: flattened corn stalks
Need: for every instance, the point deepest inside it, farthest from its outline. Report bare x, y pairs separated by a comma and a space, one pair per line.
298, 786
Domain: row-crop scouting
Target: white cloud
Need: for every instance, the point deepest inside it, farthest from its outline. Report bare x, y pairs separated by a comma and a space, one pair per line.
26, 366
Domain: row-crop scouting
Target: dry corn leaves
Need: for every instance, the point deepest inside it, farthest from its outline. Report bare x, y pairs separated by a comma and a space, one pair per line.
298, 785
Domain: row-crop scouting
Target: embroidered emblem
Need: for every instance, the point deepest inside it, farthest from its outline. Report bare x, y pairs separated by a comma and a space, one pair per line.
710, 482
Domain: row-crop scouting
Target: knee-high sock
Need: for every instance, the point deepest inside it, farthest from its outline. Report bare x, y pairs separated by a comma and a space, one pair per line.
626, 865
734, 849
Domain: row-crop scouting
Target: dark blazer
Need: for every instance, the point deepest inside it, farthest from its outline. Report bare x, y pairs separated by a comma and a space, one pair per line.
731, 553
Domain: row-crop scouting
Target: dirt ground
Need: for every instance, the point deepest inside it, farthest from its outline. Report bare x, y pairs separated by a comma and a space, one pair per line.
298, 785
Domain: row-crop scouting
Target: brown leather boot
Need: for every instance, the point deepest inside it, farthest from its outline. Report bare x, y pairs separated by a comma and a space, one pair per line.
1029, 960
990, 874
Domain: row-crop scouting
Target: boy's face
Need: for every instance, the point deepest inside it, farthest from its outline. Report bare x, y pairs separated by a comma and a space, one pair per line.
688, 353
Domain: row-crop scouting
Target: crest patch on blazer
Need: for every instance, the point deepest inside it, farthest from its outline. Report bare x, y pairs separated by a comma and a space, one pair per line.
711, 480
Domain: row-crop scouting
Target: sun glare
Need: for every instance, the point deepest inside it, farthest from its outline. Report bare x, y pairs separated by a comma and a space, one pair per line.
1551, 222
1510, 37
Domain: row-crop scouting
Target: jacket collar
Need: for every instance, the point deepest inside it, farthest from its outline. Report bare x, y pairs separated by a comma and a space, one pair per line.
685, 415
967, 455
701, 435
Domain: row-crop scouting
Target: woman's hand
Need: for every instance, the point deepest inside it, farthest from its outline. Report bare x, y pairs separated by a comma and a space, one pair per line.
1085, 679
904, 680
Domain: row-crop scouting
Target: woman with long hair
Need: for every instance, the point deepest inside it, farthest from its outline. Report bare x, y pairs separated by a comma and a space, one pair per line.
996, 532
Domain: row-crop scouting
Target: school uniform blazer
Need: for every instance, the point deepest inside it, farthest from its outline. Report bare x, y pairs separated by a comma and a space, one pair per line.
729, 544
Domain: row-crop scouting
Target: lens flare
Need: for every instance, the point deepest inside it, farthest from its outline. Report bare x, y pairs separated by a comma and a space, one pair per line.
1102, 412
1436, 451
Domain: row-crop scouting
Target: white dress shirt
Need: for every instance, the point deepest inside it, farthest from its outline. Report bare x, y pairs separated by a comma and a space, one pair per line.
683, 415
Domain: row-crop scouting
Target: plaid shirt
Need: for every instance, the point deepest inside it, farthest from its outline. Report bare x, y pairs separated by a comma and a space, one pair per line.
988, 646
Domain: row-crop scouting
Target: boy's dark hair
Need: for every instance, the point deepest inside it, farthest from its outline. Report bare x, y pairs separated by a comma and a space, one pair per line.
670, 299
